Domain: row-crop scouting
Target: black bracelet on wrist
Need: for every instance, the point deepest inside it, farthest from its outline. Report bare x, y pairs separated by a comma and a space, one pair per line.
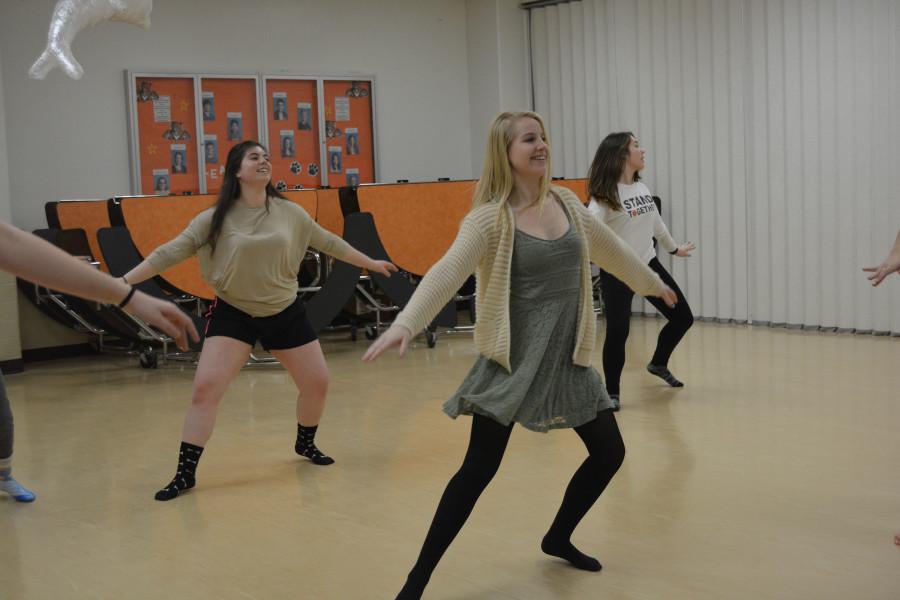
123, 279
128, 297
675, 251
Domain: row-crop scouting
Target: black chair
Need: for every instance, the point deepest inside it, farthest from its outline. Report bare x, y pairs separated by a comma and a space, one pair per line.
121, 256
326, 304
398, 288
103, 321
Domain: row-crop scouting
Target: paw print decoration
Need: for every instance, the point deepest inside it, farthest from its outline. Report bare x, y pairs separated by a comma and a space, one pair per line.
281, 186
296, 167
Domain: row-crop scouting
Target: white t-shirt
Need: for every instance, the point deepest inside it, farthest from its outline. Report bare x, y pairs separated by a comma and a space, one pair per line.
638, 222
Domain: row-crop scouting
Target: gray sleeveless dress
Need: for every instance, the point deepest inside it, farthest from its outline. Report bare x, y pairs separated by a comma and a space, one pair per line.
545, 389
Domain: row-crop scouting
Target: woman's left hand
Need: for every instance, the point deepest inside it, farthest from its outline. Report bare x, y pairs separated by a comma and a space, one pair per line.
382, 267
685, 249
669, 297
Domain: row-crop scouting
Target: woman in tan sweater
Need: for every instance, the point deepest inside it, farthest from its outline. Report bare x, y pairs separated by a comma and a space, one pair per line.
530, 246
250, 245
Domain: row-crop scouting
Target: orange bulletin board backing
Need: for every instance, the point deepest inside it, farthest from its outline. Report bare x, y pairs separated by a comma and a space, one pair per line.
228, 109
292, 121
166, 135
417, 222
153, 221
350, 146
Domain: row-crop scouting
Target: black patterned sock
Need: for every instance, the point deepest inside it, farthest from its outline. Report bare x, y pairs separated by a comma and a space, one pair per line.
185, 476
665, 374
306, 447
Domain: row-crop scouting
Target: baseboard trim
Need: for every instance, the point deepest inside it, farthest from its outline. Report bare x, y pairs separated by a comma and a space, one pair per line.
55, 352
12, 366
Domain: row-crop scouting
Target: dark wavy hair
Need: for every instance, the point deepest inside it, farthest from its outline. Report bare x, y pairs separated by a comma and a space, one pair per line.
606, 169
231, 189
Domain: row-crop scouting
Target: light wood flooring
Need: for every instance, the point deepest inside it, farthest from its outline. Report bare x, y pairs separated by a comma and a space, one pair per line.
775, 474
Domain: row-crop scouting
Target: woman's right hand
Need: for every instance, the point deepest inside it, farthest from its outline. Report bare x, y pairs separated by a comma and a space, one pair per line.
685, 249
394, 336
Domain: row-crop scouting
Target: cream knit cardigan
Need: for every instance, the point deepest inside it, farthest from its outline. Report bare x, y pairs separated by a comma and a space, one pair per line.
484, 246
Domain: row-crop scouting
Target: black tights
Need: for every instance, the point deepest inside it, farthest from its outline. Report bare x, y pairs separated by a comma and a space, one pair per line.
487, 443
617, 307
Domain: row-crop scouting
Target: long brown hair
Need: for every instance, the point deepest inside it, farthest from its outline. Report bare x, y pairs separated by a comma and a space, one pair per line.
606, 169
231, 189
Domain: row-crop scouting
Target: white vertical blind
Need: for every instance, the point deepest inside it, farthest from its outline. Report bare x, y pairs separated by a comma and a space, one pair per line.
773, 137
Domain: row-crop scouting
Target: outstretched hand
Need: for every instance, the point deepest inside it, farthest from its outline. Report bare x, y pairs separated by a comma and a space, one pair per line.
890, 265
394, 336
685, 249
164, 315
383, 267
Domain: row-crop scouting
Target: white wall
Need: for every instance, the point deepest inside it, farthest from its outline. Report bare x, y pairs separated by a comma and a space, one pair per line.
9, 310
498, 72
68, 139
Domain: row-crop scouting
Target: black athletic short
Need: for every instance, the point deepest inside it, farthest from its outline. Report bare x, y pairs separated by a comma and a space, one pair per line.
288, 329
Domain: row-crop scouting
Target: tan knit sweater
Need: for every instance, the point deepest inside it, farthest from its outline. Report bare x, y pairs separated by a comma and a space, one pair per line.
258, 253
484, 245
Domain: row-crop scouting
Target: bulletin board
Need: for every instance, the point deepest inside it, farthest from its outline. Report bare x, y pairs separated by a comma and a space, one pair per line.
292, 123
229, 114
320, 131
350, 142
166, 137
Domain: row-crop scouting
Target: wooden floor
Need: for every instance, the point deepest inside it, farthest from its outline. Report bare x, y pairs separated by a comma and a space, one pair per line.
774, 474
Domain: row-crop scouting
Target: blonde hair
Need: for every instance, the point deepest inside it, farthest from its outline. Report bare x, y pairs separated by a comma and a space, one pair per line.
496, 183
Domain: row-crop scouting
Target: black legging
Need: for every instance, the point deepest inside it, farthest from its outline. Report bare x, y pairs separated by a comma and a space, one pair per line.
617, 307
487, 443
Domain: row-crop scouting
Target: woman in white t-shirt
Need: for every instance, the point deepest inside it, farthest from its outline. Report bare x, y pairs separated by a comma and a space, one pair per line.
619, 199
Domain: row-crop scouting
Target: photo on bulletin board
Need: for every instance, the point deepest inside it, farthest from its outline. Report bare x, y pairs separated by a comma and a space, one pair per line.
235, 127
288, 149
352, 136
334, 159
352, 178
279, 106
210, 149
304, 116
209, 106
179, 159
160, 181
